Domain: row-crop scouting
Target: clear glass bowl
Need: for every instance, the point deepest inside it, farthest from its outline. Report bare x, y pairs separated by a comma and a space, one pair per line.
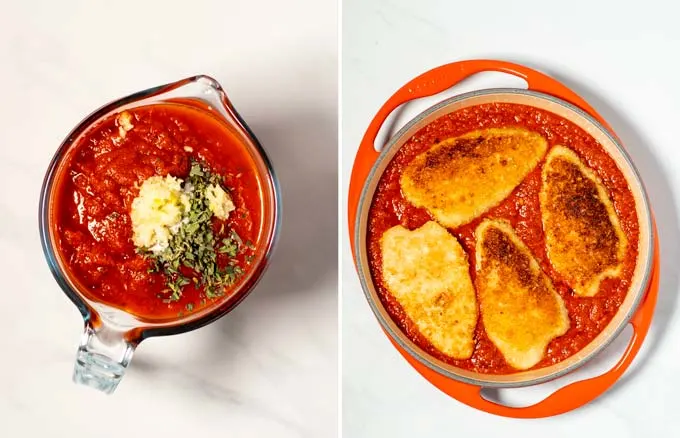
110, 334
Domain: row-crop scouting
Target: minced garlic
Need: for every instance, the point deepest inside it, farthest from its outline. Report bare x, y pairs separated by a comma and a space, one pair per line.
158, 211
219, 201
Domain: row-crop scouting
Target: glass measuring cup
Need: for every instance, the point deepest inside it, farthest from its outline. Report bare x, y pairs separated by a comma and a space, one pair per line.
110, 334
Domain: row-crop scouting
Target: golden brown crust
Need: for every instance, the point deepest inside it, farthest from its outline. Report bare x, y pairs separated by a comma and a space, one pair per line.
520, 308
584, 240
427, 271
461, 178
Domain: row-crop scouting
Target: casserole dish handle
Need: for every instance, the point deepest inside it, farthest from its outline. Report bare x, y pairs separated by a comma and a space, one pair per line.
433, 82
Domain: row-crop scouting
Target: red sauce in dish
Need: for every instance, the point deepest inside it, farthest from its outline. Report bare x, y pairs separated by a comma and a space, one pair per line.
589, 316
101, 177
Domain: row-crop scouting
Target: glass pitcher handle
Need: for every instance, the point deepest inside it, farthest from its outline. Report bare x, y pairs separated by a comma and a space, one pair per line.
102, 358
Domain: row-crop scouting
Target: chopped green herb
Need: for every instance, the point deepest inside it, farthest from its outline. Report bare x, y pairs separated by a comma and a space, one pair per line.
190, 307
228, 247
194, 247
196, 170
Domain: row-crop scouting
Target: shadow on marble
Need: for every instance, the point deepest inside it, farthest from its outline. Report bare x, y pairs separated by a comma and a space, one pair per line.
303, 149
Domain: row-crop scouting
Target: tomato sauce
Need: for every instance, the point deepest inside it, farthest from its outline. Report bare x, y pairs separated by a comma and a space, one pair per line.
589, 316
101, 177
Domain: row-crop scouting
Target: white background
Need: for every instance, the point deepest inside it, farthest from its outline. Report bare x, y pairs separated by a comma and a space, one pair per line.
268, 369
623, 57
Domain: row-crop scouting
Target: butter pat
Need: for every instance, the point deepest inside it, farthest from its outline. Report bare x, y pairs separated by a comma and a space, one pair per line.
157, 212
219, 201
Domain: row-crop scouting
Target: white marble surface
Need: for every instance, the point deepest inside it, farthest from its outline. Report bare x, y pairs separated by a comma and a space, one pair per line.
269, 369
623, 60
